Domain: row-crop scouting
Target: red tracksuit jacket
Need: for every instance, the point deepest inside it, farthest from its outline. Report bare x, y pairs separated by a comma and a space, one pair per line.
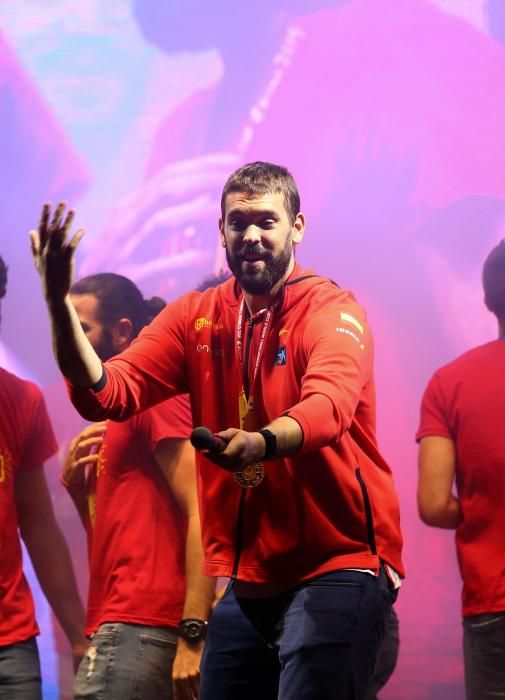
331, 506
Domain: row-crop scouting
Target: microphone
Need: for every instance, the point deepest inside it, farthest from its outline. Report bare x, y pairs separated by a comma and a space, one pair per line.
204, 439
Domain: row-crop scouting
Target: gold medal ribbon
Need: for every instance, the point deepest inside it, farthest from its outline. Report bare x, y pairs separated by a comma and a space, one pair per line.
252, 475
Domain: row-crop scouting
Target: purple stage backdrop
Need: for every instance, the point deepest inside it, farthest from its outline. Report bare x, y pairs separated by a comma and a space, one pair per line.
390, 114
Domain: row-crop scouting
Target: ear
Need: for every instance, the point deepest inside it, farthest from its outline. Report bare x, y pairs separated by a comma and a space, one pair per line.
298, 228
122, 334
221, 233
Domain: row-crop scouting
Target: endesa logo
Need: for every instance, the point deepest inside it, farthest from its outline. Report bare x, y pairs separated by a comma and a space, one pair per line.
205, 323
212, 350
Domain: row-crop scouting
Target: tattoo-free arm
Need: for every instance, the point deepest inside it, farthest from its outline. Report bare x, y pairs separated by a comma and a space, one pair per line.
437, 505
76, 358
289, 436
49, 554
53, 256
176, 459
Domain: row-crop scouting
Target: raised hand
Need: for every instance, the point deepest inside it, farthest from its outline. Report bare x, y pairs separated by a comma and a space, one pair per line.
52, 254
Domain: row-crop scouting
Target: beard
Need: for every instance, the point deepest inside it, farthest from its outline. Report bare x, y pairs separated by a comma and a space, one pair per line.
105, 348
260, 281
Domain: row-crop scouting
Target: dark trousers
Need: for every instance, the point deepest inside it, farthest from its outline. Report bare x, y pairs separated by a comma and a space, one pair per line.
387, 657
484, 651
314, 642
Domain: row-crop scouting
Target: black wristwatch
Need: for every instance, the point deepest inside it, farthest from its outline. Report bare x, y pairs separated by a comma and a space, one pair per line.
270, 443
192, 629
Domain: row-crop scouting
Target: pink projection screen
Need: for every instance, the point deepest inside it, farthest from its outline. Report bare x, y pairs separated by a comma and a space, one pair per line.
389, 113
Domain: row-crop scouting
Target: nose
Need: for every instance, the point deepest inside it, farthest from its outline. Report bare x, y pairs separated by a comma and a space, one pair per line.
252, 235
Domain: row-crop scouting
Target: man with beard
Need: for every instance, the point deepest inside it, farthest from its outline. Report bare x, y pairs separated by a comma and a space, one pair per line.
297, 504
145, 586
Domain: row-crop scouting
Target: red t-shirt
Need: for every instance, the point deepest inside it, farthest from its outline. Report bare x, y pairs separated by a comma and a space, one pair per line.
137, 542
465, 401
26, 442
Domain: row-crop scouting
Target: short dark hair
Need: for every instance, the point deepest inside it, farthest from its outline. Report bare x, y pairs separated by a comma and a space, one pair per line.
3, 278
118, 297
493, 279
260, 178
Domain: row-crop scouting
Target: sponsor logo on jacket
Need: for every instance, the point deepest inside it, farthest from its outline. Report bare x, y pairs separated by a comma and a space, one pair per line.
211, 349
203, 322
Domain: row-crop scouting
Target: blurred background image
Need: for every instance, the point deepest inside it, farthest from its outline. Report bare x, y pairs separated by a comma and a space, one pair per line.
389, 114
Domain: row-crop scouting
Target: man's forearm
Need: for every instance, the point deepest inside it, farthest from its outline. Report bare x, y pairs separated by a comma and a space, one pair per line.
53, 249
76, 358
200, 589
288, 436
53, 567
80, 500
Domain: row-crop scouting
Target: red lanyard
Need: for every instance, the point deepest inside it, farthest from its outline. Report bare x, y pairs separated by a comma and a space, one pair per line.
239, 340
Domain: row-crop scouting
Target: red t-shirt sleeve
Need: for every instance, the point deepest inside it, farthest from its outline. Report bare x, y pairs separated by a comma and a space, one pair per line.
434, 419
39, 442
339, 350
169, 420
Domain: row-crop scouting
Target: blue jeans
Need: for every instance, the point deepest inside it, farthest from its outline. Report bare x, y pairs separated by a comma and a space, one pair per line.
315, 642
20, 671
127, 662
484, 652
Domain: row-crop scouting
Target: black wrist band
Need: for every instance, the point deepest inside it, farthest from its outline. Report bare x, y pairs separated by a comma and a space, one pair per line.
99, 385
270, 443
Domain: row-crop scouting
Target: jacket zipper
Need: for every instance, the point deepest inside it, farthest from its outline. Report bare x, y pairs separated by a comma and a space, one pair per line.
368, 512
240, 512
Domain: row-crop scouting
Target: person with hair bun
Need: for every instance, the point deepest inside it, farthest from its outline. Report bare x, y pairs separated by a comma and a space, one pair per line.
121, 310
133, 484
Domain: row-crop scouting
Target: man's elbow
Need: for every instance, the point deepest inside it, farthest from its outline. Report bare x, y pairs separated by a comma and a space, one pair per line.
441, 514
429, 515
95, 413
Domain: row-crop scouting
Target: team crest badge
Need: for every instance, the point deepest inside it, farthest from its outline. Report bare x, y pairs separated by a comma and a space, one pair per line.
281, 356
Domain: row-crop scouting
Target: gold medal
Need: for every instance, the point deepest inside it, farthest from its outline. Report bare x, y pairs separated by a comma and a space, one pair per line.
251, 476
